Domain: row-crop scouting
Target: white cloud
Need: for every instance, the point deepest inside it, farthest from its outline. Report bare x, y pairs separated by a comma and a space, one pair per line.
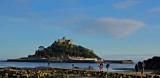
115, 28
155, 9
126, 4
110, 27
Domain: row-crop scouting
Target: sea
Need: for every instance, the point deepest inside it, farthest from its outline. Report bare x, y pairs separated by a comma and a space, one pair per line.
95, 66
113, 67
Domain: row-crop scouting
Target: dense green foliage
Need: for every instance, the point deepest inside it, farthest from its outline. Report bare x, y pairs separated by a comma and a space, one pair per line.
64, 50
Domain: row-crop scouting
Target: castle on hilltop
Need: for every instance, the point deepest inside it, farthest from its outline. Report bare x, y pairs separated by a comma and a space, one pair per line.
64, 40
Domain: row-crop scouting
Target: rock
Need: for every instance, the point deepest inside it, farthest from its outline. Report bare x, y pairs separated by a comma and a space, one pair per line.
153, 63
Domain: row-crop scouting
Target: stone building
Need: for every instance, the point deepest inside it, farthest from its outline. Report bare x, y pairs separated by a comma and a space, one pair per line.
64, 40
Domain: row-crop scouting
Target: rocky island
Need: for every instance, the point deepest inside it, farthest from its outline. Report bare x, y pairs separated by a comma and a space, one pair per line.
62, 50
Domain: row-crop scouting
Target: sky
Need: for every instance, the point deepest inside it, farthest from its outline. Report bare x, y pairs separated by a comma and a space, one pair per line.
109, 27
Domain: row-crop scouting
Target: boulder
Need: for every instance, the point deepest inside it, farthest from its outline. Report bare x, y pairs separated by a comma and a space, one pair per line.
153, 63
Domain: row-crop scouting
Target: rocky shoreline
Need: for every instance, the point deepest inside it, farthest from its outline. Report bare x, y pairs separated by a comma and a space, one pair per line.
52, 72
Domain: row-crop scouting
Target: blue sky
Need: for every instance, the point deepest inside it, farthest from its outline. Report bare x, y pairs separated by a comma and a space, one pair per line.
109, 27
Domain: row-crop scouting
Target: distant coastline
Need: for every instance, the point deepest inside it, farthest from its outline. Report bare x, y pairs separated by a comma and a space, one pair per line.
73, 61
120, 61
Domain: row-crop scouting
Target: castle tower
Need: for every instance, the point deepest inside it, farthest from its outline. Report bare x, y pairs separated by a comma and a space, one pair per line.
64, 40
70, 41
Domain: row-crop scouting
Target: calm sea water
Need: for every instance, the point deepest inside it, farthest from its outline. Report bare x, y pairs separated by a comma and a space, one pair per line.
64, 65
135, 58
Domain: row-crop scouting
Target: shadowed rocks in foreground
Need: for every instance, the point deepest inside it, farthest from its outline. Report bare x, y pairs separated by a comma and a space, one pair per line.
50, 72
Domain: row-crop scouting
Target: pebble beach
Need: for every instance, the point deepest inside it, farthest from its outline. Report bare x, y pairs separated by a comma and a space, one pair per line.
53, 72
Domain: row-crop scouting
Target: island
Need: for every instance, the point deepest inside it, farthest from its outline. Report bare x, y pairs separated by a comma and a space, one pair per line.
63, 50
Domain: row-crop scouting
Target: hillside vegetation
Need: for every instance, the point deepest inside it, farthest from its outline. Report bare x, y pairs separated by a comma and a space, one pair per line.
64, 49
